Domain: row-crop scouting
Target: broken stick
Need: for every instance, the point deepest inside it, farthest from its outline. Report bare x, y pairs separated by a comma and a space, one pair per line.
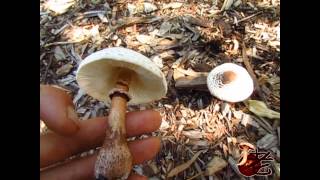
251, 72
191, 82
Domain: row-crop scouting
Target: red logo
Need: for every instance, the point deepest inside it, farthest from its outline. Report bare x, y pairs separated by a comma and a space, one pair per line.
256, 164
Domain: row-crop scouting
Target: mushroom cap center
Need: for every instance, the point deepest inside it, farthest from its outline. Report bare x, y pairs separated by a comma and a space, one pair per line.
228, 77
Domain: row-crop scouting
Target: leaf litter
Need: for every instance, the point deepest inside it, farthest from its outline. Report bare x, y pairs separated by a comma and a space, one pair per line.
186, 40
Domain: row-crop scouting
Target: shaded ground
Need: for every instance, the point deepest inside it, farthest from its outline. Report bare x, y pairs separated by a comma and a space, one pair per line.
185, 38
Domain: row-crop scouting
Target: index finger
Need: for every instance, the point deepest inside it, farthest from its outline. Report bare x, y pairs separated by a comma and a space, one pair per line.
54, 147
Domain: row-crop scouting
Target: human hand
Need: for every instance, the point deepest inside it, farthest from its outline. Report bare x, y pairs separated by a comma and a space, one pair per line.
70, 136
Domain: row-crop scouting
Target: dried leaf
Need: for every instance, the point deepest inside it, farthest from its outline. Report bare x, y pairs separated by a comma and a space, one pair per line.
164, 125
177, 63
196, 21
59, 6
81, 110
63, 70
233, 163
173, 5
183, 166
148, 7
167, 54
158, 61
247, 119
202, 67
95, 34
79, 34
118, 42
226, 5
195, 32
225, 27
140, 7
267, 142
166, 42
150, 169
144, 48
193, 134
144, 39
59, 54
275, 85
132, 9
237, 114
164, 28
173, 36
95, 2
260, 109
276, 151
237, 3
215, 165
225, 108
190, 72
127, 21
198, 142
274, 80
177, 74
69, 79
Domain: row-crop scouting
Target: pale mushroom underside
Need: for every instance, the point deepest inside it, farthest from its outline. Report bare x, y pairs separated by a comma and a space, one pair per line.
97, 75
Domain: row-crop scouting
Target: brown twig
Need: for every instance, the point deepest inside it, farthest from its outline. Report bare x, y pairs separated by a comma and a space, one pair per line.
251, 72
128, 21
61, 43
199, 83
248, 17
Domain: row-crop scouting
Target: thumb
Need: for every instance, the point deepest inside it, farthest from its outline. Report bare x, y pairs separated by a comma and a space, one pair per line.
57, 110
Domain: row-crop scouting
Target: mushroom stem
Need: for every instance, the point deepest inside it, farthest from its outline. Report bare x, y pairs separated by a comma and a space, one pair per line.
114, 160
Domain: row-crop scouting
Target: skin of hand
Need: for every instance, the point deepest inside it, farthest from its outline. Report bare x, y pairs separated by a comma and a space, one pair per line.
69, 136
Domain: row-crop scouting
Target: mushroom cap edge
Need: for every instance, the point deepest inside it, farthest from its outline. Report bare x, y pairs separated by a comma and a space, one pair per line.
97, 73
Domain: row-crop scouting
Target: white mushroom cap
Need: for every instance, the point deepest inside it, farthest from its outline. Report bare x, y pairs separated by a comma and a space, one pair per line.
239, 87
97, 75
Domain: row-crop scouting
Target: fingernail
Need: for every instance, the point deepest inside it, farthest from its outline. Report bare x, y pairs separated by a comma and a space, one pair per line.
71, 114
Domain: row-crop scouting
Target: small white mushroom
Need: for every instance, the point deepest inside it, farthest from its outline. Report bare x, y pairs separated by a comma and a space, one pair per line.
119, 76
230, 82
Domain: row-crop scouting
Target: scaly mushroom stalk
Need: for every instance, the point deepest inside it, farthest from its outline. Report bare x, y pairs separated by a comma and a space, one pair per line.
114, 159
115, 71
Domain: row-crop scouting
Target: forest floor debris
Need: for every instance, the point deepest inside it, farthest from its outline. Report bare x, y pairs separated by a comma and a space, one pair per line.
186, 39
